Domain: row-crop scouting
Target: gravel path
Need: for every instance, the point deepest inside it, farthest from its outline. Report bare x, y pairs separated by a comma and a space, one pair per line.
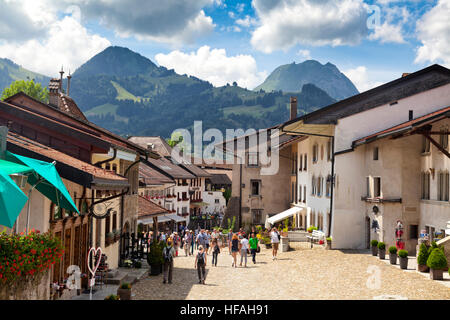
299, 274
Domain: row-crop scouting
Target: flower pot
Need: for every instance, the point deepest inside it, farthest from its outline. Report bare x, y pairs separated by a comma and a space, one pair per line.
403, 262
124, 294
382, 253
155, 269
374, 251
328, 245
393, 258
436, 274
423, 268
268, 245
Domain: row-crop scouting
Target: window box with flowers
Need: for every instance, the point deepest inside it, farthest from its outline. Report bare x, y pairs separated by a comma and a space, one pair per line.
116, 235
25, 260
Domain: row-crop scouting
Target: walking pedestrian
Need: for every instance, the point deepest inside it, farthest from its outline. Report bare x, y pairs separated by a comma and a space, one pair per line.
200, 264
168, 254
254, 243
215, 252
187, 243
207, 241
275, 239
230, 236
234, 248
176, 242
244, 249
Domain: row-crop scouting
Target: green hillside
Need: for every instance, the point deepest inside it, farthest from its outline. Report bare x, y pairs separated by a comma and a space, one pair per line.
128, 94
9, 72
292, 77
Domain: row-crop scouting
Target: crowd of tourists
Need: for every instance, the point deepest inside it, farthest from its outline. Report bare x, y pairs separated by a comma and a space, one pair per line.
205, 242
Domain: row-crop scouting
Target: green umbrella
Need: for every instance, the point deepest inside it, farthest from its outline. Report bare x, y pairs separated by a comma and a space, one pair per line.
12, 200
46, 180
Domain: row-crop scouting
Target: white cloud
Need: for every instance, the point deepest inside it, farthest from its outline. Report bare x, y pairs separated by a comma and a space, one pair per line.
361, 78
433, 30
286, 23
304, 54
246, 22
386, 33
169, 21
68, 43
214, 66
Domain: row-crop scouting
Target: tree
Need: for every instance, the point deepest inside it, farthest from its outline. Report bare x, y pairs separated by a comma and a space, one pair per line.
34, 90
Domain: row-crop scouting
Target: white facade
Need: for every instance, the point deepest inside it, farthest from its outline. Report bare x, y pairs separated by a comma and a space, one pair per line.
216, 202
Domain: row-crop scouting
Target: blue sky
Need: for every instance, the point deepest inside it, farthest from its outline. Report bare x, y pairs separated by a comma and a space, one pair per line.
222, 41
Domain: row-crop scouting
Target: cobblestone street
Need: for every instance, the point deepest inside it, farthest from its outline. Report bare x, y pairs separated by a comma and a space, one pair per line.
298, 274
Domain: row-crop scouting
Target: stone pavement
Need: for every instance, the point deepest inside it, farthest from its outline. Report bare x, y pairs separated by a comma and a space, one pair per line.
302, 273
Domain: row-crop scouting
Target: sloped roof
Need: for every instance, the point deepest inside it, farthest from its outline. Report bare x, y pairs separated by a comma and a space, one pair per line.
68, 105
151, 176
219, 179
39, 151
148, 208
168, 168
160, 146
406, 126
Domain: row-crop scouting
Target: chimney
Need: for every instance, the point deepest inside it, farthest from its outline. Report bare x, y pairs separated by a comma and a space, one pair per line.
68, 83
61, 79
293, 108
405, 74
53, 92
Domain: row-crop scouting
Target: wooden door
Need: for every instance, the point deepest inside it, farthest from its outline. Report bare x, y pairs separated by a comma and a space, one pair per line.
67, 249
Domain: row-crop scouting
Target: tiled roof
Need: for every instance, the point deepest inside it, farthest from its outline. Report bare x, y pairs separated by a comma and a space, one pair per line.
151, 176
53, 154
147, 208
68, 105
160, 146
167, 167
433, 116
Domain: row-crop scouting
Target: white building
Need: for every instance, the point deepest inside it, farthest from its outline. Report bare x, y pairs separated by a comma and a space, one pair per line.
395, 180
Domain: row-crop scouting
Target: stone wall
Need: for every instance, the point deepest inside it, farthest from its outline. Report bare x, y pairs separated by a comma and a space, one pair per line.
29, 291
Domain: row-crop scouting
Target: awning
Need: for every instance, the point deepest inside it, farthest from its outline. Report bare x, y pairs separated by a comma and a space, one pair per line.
149, 220
283, 215
299, 127
175, 217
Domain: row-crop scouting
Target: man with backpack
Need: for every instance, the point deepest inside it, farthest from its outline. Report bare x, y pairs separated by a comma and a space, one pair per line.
200, 264
168, 254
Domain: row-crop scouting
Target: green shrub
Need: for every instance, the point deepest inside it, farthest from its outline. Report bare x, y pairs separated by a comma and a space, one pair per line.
374, 243
381, 245
437, 260
392, 249
422, 257
403, 254
311, 228
155, 256
125, 285
112, 297
138, 264
329, 239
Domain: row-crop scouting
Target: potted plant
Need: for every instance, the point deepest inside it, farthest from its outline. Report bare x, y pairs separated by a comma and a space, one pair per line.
155, 258
329, 239
138, 264
437, 262
112, 297
116, 235
124, 291
267, 242
311, 228
422, 258
381, 250
393, 255
374, 245
403, 259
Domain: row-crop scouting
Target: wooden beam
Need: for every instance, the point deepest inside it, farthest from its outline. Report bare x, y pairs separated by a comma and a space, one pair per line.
436, 144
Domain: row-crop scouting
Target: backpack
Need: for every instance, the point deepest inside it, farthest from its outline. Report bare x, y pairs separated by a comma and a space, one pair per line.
201, 258
167, 255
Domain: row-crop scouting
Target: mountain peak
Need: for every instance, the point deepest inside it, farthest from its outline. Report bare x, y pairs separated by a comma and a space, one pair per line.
116, 61
292, 77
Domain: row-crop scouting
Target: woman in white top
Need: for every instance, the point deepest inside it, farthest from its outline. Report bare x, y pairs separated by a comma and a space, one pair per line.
274, 238
244, 250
